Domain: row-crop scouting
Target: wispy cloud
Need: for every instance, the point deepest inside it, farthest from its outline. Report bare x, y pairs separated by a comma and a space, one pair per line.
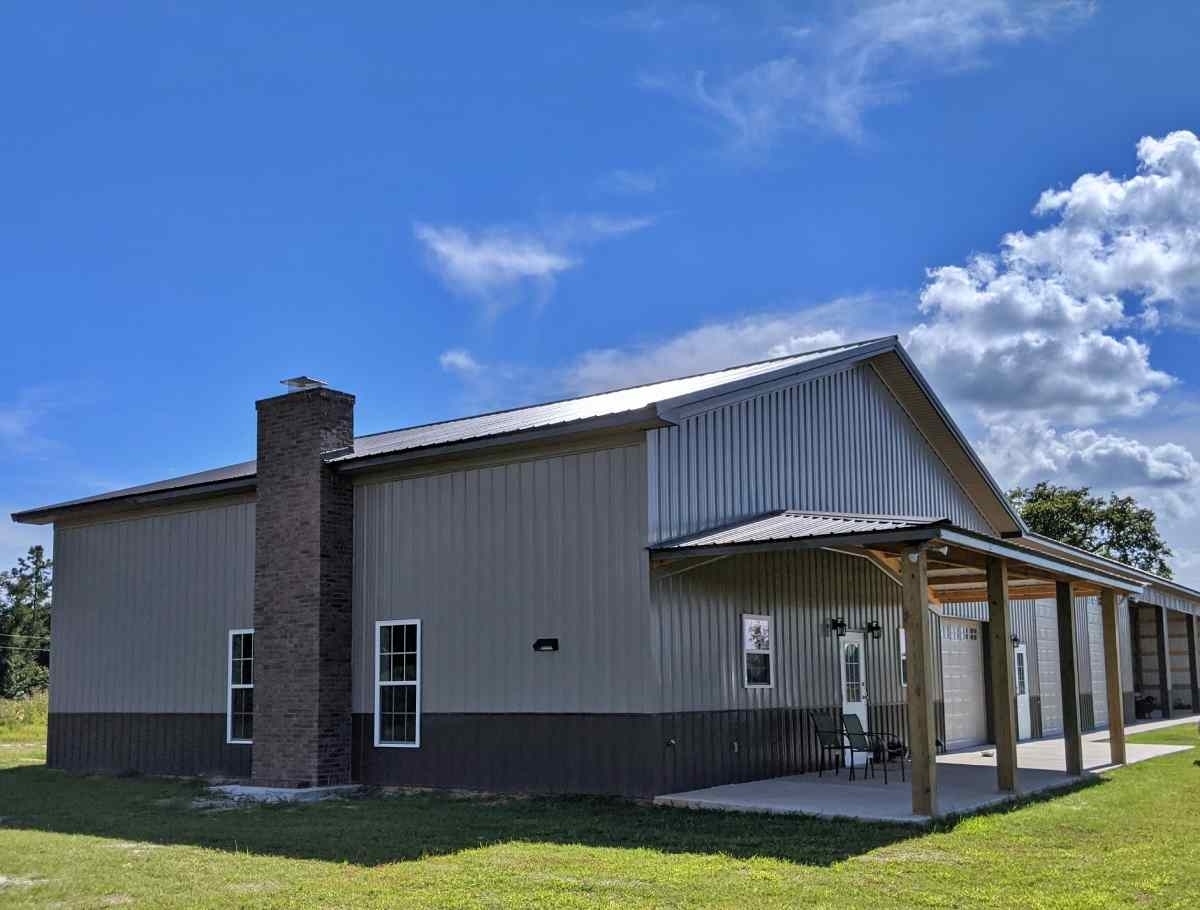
22, 419
460, 362
494, 263
628, 182
654, 18
826, 75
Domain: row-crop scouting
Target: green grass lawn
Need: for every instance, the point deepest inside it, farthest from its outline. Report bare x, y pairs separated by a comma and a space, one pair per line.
1132, 839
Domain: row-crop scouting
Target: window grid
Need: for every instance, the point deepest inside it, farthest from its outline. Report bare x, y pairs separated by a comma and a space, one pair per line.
239, 712
398, 683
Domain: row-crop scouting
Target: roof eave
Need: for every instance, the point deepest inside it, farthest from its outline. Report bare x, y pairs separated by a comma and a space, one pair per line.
118, 504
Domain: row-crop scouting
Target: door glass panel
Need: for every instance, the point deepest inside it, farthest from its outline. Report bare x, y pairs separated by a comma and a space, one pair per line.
1020, 672
853, 669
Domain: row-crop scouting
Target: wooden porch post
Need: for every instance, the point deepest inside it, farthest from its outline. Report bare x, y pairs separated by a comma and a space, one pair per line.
922, 724
1068, 669
1112, 676
1004, 692
1164, 660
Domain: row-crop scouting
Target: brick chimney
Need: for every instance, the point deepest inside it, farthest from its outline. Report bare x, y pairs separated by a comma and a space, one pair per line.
303, 544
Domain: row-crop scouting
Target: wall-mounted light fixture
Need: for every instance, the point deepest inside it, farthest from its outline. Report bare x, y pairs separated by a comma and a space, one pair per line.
838, 626
1016, 639
875, 630
546, 644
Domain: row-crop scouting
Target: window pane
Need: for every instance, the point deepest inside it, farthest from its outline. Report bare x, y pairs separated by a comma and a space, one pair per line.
410, 638
756, 634
385, 668
409, 668
758, 669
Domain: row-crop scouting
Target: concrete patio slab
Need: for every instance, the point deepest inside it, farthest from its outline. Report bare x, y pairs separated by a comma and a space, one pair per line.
966, 783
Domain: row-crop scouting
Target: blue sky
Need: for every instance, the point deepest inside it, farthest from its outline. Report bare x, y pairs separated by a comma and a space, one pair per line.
452, 208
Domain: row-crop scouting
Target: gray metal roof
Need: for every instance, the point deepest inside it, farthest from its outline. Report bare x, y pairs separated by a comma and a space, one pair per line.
603, 405
588, 407
790, 525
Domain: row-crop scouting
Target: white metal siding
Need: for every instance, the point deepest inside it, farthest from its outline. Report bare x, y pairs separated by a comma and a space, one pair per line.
839, 443
492, 558
962, 683
143, 609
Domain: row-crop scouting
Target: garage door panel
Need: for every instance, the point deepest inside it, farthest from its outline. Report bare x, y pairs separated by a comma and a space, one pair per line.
962, 676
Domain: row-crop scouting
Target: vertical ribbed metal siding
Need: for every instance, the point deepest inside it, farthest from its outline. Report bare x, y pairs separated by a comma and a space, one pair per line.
835, 443
1125, 635
699, 626
491, 559
143, 609
1083, 646
1168, 599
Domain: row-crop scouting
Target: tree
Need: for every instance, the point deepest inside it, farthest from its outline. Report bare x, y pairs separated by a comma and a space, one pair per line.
1116, 527
25, 594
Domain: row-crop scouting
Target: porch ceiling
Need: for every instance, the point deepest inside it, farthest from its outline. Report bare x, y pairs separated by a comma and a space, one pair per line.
957, 558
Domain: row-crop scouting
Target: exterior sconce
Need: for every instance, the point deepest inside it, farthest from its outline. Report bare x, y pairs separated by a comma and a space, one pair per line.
1016, 639
838, 626
875, 630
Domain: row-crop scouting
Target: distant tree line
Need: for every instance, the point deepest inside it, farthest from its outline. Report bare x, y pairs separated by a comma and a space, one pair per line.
25, 593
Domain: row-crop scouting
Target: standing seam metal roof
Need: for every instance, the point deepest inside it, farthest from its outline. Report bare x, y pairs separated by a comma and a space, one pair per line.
792, 525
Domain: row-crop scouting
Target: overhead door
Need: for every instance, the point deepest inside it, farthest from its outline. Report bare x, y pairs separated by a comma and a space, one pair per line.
962, 683
1047, 657
1096, 650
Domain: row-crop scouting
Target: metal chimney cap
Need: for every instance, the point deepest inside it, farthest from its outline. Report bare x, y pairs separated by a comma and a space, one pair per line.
300, 383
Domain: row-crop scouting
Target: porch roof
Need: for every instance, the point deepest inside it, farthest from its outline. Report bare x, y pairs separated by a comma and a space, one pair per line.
957, 557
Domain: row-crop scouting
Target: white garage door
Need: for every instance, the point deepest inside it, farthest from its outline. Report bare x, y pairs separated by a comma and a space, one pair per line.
1048, 670
962, 683
1096, 654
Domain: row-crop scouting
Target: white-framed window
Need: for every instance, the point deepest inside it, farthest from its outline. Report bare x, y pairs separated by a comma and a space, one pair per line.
398, 683
239, 703
903, 659
758, 652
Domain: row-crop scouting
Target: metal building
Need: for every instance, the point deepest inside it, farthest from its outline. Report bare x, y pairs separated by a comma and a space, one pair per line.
634, 592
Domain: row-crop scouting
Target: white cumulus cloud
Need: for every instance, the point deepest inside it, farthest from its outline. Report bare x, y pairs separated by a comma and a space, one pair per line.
1048, 325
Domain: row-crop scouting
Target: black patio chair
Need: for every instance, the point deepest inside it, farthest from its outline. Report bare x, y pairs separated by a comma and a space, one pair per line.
883, 746
858, 742
829, 739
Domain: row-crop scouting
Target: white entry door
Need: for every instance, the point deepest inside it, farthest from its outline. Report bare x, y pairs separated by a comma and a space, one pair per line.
1021, 678
854, 683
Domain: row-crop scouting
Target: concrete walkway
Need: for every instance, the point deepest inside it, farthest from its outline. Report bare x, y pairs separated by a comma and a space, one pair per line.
966, 782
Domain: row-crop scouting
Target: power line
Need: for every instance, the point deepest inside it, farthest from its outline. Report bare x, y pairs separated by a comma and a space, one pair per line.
15, 648
23, 635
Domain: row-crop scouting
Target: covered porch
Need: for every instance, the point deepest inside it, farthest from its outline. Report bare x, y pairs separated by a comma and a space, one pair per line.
935, 564
966, 782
